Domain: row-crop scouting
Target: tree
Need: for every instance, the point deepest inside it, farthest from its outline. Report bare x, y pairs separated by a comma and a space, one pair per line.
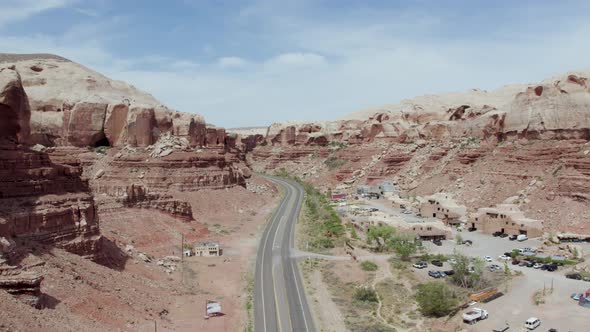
381, 235
468, 274
435, 299
404, 245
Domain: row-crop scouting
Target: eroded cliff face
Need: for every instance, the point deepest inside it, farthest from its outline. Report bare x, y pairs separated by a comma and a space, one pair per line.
75, 146
485, 147
132, 150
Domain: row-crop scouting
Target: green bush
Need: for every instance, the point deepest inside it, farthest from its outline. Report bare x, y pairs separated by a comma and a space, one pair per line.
365, 294
368, 266
435, 299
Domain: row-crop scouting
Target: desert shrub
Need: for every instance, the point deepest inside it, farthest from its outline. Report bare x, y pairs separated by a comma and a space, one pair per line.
365, 294
334, 162
368, 266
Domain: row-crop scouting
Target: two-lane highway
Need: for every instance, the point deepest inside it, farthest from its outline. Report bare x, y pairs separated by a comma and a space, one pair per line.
279, 297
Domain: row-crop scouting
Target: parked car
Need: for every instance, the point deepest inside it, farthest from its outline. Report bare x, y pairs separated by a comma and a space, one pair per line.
494, 268
474, 315
551, 267
576, 296
504, 257
436, 262
488, 259
515, 262
537, 266
522, 237
530, 264
496, 234
575, 276
437, 242
532, 323
452, 261
468, 242
503, 235
436, 274
512, 237
509, 254
449, 272
420, 265
523, 263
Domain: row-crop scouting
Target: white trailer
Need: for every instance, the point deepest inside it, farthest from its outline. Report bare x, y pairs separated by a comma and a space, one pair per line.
474, 315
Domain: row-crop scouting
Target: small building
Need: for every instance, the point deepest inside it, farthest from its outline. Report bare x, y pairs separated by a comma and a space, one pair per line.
208, 249
442, 206
426, 230
505, 218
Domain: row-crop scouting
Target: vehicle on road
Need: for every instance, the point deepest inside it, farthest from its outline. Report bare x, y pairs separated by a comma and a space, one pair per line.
522, 237
512, 237
406, 212
474, 315
488, 259
436, 262
537, 266
576, 296
420, 265
575, 276
504, 257
532, 323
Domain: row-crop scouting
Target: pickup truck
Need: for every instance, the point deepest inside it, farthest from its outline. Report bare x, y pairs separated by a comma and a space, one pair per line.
474, 315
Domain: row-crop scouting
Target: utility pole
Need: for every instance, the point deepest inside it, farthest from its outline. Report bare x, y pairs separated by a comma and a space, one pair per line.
155, 326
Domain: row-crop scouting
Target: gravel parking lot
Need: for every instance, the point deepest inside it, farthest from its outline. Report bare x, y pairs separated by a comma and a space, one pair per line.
517, 305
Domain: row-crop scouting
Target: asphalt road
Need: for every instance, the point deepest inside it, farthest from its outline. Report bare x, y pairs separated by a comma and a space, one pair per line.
279, 295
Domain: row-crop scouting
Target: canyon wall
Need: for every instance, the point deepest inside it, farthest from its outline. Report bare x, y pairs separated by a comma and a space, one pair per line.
486, 147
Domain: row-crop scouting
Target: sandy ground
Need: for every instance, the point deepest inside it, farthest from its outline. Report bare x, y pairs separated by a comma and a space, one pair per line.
134, 295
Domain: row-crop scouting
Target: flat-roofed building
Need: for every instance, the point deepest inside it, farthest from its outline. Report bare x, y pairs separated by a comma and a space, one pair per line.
505, 218
427, 230
208, 249
442, 206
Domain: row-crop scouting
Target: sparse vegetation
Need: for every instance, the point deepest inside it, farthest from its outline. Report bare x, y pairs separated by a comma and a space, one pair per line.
334, 162
435, 299
381, 235
369, 266
405, 245
365, 294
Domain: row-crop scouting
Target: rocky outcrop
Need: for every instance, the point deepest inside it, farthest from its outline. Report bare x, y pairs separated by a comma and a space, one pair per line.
39, 200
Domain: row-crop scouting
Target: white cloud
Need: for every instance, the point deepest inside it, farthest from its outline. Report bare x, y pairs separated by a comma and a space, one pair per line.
298, 59
231, 62
17, 10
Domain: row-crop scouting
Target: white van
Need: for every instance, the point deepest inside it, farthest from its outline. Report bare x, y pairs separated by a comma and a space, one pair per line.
532, 323
521, 237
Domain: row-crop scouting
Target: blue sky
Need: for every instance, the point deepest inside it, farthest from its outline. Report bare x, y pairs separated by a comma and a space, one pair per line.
250, 63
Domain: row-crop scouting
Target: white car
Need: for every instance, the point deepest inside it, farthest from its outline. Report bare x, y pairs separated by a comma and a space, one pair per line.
532, 323
452, 261
488, 259
537, 266
504, 257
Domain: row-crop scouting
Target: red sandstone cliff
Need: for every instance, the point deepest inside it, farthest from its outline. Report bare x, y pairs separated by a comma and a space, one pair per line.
483, 146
